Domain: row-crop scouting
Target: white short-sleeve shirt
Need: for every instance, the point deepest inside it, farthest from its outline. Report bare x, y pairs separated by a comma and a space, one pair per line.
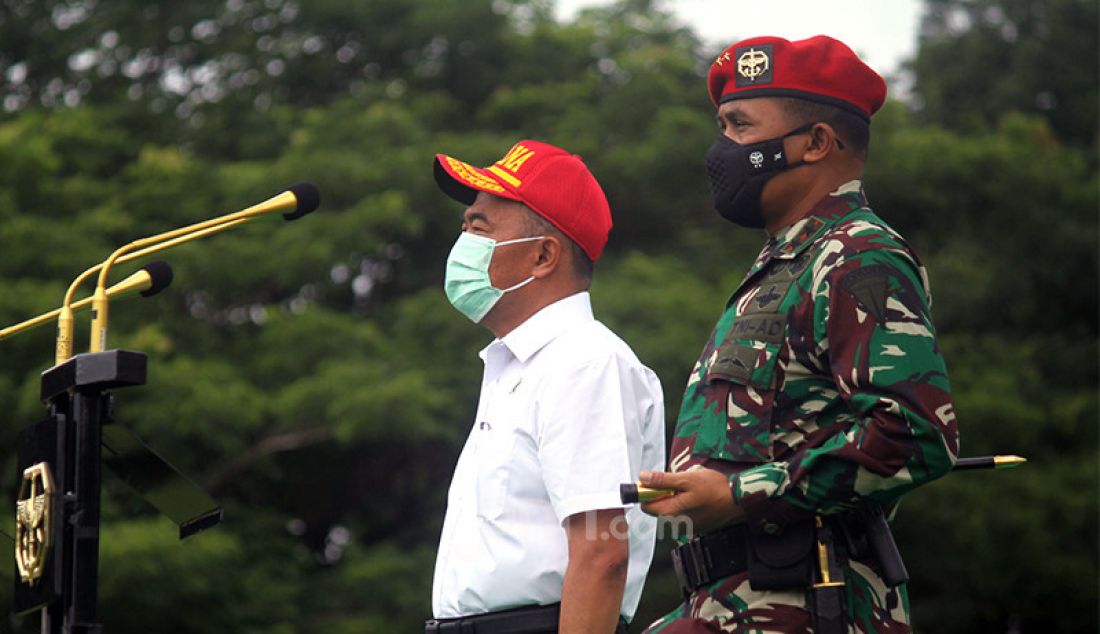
567, 413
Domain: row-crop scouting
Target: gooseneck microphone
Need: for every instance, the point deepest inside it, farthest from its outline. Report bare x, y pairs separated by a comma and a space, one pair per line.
300, 199
160, 277
308, 197
149, 280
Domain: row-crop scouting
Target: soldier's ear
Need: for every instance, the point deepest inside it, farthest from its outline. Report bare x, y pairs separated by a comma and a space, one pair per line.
822, 141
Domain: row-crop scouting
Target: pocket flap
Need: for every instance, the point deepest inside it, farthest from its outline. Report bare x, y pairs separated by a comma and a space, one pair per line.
794, 543
782, 560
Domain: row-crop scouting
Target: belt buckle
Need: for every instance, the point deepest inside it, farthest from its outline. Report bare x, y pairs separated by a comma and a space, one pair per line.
700, 561
691, 563
458, 626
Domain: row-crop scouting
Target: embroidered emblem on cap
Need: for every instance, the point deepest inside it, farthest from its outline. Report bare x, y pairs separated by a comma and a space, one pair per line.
512, 161
552, 182
754, 65
516, 157
471, 176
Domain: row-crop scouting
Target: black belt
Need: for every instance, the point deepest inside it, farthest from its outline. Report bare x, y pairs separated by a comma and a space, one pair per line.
540, 619
711, 557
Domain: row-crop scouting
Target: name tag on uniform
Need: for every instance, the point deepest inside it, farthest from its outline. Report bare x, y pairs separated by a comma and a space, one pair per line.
759, 327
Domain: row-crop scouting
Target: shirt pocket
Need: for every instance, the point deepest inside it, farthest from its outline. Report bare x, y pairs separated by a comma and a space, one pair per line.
496, 441
747, 370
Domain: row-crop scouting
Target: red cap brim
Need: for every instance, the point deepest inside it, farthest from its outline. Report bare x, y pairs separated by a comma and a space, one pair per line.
463, 181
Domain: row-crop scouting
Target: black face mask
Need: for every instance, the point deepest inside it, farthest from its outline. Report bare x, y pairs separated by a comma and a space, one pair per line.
739, 172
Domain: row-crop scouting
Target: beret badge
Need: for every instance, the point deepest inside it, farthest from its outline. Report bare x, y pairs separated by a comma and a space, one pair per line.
820, 69
754, 65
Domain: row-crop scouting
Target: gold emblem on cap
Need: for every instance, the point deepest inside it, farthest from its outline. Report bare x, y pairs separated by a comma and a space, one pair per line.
33, 522
515, 158
753, 64
468, 173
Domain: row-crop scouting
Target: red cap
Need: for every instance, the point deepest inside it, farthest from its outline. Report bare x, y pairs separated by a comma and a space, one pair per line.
552, 182
818, 69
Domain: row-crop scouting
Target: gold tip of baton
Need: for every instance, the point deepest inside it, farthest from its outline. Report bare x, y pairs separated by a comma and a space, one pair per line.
1008, 462
635, 492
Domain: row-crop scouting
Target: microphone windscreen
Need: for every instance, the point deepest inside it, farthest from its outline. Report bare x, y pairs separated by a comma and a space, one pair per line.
308, 196
161, 275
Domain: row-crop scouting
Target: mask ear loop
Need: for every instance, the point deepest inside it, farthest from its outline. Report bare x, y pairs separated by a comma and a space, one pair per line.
520, 285
802, 129
810, 126
806, 128
517, 241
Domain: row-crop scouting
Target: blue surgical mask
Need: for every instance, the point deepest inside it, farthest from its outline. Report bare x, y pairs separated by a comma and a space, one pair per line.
467, 283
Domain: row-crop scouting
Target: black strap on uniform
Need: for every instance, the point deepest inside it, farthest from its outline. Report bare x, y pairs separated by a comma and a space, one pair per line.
711, 557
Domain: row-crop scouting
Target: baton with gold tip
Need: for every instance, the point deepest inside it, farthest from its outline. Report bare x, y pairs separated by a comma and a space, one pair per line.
636, 492
989, 462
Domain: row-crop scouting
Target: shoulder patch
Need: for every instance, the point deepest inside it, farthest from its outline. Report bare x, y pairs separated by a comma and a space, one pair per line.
870, 285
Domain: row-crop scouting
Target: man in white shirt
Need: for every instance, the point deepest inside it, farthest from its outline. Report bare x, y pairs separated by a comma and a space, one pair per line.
535, 537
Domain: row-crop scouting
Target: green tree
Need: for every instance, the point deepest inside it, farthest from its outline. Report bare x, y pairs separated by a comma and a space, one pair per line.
978, 59
312, 376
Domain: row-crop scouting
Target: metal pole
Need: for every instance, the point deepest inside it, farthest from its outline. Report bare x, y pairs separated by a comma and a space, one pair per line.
69, 443
88, 408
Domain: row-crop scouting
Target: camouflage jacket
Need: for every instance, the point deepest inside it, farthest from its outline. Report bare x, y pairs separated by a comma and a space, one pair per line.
822, 384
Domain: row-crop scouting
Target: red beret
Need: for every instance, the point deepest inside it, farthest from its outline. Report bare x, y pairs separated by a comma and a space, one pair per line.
818, 69
552, 182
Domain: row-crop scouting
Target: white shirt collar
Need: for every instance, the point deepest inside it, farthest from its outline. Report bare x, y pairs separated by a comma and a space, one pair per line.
544, 326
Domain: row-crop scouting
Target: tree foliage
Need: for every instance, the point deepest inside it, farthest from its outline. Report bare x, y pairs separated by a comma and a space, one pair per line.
979, 59
314, 379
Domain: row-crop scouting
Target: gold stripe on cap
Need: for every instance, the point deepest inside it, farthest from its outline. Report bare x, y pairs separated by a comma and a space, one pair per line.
466, 172
508, 178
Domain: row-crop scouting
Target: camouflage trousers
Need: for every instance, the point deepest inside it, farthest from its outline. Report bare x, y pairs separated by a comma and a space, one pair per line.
730, 605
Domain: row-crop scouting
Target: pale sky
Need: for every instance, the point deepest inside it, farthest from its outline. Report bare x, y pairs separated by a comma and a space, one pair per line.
882, 32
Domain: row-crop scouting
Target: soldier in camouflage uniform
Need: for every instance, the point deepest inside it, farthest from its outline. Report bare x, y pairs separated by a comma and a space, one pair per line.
822, 388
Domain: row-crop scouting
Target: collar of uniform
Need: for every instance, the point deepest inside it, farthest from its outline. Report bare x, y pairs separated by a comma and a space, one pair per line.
544, 326
795, 239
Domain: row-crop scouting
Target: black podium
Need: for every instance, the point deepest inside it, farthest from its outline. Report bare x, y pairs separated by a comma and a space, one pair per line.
58, 490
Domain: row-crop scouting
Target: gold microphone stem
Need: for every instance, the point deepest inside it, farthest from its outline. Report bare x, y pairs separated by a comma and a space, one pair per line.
33, 322
64, 348
136, 283
282, 201
65, 330
98, 342
99, 317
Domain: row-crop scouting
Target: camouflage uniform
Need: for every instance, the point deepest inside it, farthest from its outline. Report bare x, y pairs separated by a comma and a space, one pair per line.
821, 386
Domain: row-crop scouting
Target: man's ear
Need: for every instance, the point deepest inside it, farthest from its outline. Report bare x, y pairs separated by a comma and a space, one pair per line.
548, 256
823, 140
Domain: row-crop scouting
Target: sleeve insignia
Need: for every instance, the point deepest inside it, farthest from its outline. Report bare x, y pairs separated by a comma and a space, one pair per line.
870, 285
